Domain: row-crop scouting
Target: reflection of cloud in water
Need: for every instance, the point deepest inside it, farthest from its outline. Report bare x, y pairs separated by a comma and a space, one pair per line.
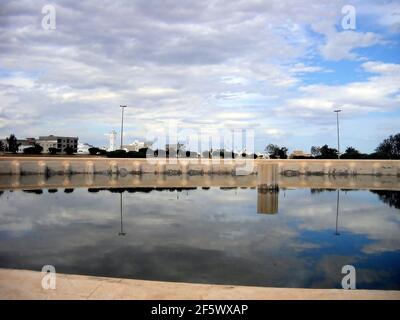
359, 214
209, 236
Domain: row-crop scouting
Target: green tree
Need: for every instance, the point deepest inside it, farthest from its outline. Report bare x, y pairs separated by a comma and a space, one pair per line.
390, 147
53, 150
93, 151
324, 152
69, 150
12, 144
351, 150
276, 152
315, 151
102, 152
36, 149
117, 154
352, 153
2, 146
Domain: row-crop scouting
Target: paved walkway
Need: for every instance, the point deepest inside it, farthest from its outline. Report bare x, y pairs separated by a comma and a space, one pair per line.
22, 284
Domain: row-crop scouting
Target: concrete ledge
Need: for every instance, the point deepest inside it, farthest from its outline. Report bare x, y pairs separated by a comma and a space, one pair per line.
23, 284
92, 165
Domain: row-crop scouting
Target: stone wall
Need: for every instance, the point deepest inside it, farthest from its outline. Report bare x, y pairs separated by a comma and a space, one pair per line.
30, 182
96, 165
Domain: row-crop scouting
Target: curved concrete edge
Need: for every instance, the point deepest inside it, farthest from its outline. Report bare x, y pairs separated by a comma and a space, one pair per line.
24, 284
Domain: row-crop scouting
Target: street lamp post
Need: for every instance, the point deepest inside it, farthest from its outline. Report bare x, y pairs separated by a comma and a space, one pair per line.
337, 124
121, 233
122, 125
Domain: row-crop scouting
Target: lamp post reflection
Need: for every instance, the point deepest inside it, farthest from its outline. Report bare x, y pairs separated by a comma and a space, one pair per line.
121, 233
337, 213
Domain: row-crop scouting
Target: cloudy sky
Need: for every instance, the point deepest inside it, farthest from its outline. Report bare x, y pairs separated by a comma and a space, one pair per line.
279, 67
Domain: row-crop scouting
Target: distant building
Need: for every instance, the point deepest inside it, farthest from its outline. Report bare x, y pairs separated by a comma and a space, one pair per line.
48, 143
113, 138
299, 154
28, 141
262, 155
137, 145
57, 142
83, 148
174, 147
22, 143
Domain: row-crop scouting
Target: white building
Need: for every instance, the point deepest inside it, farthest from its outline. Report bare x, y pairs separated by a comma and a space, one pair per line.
47, 144
113, 138
136, 145
57, 142
83, 148
22, 143
300, 154
175, 147
262, 155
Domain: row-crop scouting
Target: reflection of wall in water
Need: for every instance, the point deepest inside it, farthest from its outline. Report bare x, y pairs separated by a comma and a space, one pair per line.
267, 201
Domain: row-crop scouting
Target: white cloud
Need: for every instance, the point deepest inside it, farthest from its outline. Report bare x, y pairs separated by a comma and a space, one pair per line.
378, 93
382, 68
18, 81
302, 68
341, 45
155, 91
274, 132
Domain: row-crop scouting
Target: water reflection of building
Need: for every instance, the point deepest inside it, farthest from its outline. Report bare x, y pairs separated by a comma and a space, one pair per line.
267, 201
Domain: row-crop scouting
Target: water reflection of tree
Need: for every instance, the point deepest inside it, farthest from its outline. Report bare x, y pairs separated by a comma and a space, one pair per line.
389, 197
35, 191
319, 190
140, 189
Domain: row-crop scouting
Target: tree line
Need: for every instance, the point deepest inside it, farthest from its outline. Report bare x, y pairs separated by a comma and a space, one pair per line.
389, 148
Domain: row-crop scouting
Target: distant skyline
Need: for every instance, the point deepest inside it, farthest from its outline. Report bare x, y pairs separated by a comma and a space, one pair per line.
278, 67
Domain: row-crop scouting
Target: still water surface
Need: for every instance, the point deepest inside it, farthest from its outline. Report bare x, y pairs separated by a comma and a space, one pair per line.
239, 236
